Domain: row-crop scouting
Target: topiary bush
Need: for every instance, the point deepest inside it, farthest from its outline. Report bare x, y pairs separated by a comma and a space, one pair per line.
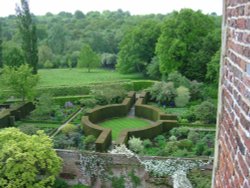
206, 112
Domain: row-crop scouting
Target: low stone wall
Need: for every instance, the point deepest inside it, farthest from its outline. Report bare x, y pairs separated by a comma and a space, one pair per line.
118, 166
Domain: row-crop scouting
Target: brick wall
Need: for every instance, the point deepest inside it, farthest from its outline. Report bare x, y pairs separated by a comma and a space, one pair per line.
232, 159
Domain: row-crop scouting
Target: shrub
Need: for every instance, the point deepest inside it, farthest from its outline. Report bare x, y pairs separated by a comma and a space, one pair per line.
28, 129
69, 128
195, 89
193, 136
153, 69
89, 141
106, 94
163, 92
147, 143
160, 140
206, 112
172, 138
88, 103
61, 141
169, 148
182, 97
60, 183
178, 79
190, 114
136, 144
185, 144
180, 132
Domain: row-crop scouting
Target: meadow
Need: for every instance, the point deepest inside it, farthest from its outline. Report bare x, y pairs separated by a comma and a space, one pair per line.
59, 77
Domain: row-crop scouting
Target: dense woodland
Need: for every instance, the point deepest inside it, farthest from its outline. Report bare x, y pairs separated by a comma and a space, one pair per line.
154, 45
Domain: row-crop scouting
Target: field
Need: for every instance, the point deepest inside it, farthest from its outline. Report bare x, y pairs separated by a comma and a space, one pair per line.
57, 77
118, 124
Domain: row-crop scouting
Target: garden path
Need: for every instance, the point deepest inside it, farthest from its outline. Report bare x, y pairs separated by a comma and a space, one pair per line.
65, 123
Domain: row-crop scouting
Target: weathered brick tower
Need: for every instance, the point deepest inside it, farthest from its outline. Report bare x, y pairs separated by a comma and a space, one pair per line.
232, 156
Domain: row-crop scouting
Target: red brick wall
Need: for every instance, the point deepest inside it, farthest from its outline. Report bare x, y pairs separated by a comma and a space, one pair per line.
232, 160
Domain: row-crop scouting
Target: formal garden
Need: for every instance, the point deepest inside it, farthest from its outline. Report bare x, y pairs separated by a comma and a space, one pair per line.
108, 99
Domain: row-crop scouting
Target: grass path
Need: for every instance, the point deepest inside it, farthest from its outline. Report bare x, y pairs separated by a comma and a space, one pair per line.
118, 124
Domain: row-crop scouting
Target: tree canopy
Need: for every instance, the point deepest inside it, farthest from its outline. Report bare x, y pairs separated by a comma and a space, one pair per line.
28, 35
20, 82
27, 161
88, 58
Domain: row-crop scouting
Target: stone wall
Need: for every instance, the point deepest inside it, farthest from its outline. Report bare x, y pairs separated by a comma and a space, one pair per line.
232, 159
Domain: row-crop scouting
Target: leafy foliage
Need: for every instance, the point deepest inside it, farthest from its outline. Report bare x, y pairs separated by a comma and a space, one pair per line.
186, 46
88, 58
136, 144
27, 161
182, 97
19, 81
27, 30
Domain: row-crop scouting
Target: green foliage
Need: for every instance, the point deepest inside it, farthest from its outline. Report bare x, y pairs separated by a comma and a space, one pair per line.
56, 38
13, 57
180, 132
163, 92
1, 46
60, 183
136, 144
28, 129
108, 60
45, 56
135, 179
193, 136
69, 128
27, 30
206, 112
88, 103
89, 141
44, 107
25, 159
182, 97
184, 45
147, 143
103, 95
88, 58
153, 69
178, 79
19, 81
138, 46
118, 182
200, 178
160, 140
213, 66
71, 140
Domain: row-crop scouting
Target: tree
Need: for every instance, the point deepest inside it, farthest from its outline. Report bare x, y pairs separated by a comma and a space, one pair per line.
28, 34
88, 58
13, 57
183, 96
213, 67
20, 81
45, 54
186, 39
1, 47
27, 161
137, 48
56, 38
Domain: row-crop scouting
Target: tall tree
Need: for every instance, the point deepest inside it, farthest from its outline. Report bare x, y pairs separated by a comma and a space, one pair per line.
187, 36
27, 30
88, 58
1, 48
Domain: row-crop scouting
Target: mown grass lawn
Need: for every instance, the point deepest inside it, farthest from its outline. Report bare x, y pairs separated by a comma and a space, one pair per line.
57, 77
118, 124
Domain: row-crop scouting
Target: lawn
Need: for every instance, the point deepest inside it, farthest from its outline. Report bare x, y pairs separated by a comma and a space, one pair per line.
118, 124
57, 77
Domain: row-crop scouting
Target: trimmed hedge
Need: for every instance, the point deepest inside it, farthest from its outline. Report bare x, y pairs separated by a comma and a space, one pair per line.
142, 84
104, 141
8, 116
103, 135
98, 114
62, 99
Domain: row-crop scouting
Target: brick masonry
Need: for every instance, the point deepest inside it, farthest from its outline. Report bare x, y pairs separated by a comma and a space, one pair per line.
232, 158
